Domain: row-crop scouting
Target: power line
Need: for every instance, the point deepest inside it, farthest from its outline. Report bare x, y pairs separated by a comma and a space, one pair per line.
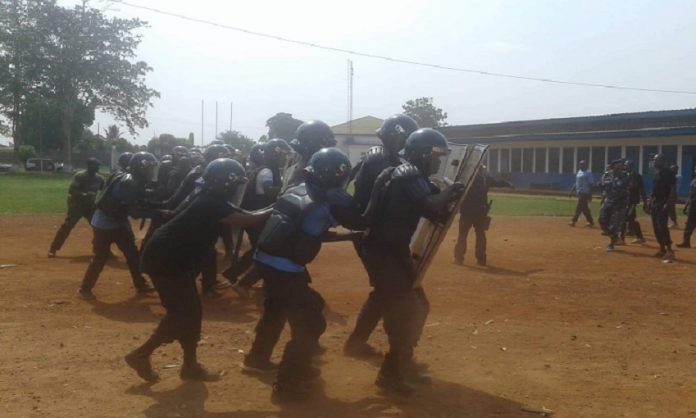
397, 60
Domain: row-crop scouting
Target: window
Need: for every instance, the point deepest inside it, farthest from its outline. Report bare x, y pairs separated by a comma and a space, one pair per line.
516, 160
648, 154
598, 161
505, 160
568, 160
554, 159
527, 160
540, 161
493, 161
613, 153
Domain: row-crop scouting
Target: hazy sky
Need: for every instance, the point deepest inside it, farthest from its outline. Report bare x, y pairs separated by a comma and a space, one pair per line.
637, 43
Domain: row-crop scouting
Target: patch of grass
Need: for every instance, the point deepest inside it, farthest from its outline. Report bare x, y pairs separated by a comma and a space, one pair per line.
33, 193
525, 205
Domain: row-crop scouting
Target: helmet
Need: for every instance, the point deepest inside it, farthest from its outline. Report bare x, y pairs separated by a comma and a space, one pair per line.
166, 157
195, 150
629, 165
394, 131
222, 176
92, 164
124, 159
424, 148
275, 152
214, 152
180, 151
256, 154
313, 136
328, 167
659, 161
233, 151
216, 142
142, 165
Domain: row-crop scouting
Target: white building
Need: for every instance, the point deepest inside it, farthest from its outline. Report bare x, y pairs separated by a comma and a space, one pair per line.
356, 137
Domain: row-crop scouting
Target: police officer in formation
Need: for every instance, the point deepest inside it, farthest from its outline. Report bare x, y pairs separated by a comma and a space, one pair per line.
401, 196
663, 194
393, 134
615, 203
310, 137
290, 239
636, 196
473, 213
262, 192
690, 212
170, 259
125, 195
81, 196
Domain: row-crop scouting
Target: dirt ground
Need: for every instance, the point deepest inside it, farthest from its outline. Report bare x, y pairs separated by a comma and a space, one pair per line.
553, 322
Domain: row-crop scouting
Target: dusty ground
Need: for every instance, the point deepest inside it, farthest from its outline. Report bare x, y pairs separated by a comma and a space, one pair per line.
554, 321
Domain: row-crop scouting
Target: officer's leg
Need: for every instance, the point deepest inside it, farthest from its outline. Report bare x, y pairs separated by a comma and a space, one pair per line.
368, 318
100, 252
479, 229
125, 241
688, 229
307, 324
250, 278
465, 225
273, 318
71, 219
399, 312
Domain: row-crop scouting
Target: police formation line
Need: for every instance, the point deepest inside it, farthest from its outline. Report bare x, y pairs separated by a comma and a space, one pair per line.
286, 199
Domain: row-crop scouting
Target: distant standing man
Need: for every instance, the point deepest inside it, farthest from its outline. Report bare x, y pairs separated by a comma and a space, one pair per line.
690, 212
474, 214
615, 203
663, 193
583, 187
81, 195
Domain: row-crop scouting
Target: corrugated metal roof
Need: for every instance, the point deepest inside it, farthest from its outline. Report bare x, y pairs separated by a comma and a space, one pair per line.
367, 125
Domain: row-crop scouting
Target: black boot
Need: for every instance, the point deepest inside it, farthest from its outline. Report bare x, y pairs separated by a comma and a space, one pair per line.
389, 377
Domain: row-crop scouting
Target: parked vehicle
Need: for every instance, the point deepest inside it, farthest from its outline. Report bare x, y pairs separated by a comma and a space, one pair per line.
42, 164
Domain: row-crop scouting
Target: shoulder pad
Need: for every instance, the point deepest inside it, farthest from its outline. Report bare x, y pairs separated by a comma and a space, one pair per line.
405, 170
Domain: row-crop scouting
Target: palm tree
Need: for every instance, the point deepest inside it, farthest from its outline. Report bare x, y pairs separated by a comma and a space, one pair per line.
112, 133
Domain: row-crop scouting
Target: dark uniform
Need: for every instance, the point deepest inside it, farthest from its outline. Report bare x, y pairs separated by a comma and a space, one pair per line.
291, 239
474, 214
690, 212
125, 196
612, 214
170, 259
664, 184
83, 190
636, 195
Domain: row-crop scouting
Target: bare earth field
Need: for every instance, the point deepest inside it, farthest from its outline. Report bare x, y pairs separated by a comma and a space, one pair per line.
553, 322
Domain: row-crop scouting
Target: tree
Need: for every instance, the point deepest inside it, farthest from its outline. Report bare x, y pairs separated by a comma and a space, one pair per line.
282, 125
112, 133
79, 57
237, 140
425, 113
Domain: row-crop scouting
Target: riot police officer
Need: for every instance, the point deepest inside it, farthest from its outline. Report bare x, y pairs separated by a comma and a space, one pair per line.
636, 195
83, 191
262, 192
310, 137
393, 133
612, 214
402, 196
663, 194
170, 259
124, 196
291, 239
690, 212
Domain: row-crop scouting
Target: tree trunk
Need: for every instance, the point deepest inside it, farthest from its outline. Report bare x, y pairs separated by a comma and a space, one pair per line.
67, 115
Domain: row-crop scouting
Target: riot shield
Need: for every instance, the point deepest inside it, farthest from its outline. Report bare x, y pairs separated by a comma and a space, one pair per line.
291, 164
237, 234
429, 235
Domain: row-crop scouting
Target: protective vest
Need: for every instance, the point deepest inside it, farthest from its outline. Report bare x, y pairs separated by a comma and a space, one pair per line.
107, 201
282, 235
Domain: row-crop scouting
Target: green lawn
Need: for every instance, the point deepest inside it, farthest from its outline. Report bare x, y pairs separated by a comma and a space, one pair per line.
25, 193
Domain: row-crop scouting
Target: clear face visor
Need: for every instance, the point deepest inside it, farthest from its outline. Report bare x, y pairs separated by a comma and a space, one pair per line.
237, 187
150, 170
437, 158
